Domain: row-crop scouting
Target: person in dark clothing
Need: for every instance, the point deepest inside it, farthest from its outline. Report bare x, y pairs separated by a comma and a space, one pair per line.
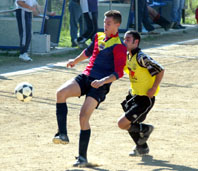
90, 12
158, 19
143, 17
76, 21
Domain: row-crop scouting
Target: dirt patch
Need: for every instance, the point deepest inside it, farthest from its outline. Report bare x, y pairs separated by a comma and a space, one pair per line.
28, 128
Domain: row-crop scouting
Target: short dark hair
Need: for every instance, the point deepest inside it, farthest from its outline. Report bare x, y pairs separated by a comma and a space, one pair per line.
116, 15
135, 34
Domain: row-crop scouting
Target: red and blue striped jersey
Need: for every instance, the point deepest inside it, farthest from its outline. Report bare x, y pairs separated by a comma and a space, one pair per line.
107, 56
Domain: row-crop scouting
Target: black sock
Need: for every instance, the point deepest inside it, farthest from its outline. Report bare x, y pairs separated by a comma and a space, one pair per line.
83, 142
138, 128
145, 145
61, 115
135, 136
134, 132
134, 128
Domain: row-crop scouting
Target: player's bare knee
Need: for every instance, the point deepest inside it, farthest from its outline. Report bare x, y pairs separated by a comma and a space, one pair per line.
121, 125
60, 96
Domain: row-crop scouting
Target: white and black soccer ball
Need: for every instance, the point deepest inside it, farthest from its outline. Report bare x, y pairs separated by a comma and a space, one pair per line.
24, 91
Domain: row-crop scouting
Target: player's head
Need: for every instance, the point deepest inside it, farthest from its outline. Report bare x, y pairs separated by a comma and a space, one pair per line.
132, 39
112, 21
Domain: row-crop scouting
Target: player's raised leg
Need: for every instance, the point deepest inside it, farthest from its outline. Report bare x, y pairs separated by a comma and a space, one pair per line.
70, 89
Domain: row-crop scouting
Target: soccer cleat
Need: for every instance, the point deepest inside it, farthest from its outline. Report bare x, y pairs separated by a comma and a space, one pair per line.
25, 57
60, 139
144, 135
139, 151
74, 44
181, 27
81, 40
80, 162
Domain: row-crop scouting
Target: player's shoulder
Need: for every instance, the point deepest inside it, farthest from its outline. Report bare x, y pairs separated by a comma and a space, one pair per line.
142, 56
100, 34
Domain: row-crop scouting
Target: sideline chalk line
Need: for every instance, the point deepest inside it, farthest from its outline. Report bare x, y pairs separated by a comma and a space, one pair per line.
31, 70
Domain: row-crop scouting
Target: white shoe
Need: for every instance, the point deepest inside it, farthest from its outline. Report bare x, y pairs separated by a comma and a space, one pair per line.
25, 57
139, 151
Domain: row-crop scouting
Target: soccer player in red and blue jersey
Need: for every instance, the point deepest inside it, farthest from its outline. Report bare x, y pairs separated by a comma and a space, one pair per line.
107, 58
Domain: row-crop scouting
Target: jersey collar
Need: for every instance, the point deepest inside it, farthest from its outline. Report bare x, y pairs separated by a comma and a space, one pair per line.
112, 35
134, 51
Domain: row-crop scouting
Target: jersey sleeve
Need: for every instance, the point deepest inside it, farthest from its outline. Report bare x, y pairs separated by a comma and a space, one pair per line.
153, 66
120, 53
89, 50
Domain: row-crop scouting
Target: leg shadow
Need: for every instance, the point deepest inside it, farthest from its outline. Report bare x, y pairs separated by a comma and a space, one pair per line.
164, 165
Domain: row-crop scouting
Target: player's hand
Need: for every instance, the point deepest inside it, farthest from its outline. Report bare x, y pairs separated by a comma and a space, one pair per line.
52, 13
33, 9
151, 92
97, 83
70, 63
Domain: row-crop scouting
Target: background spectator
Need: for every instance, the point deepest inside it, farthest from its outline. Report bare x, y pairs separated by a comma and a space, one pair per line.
154, 16
90, 12
24, 21
177, 7
158, 19
143, 17
76, 18
39, 11
196, 14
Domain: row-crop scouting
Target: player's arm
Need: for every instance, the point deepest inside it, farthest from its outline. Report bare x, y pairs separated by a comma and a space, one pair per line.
72, 62
158, 79
24, 5
105, 80
154, 68
39, 10
120, 56
84, 55
119, 52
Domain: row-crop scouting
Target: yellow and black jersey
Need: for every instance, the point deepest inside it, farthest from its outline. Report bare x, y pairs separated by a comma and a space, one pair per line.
142, 71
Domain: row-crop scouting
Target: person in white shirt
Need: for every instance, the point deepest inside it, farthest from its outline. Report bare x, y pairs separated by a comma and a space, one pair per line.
24, 10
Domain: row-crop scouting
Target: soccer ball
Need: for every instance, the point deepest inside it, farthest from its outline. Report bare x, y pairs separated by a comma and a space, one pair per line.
24, 92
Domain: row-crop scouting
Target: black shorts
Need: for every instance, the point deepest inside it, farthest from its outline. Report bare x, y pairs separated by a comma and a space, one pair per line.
98, 94
137, 107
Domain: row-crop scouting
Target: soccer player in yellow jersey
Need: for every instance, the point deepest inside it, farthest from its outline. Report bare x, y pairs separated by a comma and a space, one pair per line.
145, 75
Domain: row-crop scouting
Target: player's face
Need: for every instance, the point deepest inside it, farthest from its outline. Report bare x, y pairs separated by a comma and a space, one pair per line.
130, 42
110, 27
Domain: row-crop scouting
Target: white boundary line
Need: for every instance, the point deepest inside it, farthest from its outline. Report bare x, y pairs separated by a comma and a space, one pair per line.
31, 70
172, 44
36, 69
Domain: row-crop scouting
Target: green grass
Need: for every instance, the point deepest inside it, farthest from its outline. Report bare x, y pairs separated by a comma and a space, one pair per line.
190, 20
190, 11
65, 40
